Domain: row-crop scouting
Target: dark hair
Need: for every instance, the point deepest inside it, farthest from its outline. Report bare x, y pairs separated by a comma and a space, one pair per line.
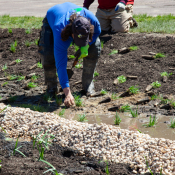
67, 31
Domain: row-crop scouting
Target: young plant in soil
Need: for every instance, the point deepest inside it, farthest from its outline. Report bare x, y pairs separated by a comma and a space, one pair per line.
18, 60
134, 113
172, 123
39, 65
102, 44
113, 52
133, 90
132, 48
71, 56
156, 84
61, 113
121, 79
107, 169
125, 108
114, 96
78, 66
28, 31
148, 166
28, 44
17, 149
10, 30
13, 46
12, 77
78, 100
4, 84
34, 77
152, 122
159, 55
117, 119
20, 78
154, 97
4, 67
36, 41
82, 118
31, 85
103, 92
96, 74
58, 100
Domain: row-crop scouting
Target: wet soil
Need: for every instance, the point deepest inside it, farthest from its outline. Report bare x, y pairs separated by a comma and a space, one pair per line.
109, 68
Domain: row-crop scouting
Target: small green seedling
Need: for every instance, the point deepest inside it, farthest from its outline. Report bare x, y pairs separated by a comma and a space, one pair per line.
4, 84
153, 97
125, 108
107, 169
133, 90
113, 52
58, 100
28, 31
159, 55
156, 84
172, 123
10, 30
34, 77
82, 118
114, 96
71, 56
12, 48
117, 119
165, 74
152, 122
36, 41
102, 44
39, 65
28, 44
172, 103
132, 48
18, 60
61, 113
78, 100
20, 78
17, 149
96, 74
78, 66
15, 43
4, 67
12, 77
31, 85
134, 113
121, 79
103, 92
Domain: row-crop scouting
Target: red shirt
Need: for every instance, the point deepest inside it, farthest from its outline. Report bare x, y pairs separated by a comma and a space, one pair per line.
130, 2
104, 4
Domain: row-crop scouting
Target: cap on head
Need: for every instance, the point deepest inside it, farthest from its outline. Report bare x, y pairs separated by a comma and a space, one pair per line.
81, 31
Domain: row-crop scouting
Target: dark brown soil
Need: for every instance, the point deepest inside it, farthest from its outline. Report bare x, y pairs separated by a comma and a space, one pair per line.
109, 68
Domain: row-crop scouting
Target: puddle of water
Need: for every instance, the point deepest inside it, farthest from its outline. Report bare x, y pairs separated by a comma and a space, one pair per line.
161, 129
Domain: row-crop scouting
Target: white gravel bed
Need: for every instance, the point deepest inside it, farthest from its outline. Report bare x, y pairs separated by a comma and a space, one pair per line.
101, 141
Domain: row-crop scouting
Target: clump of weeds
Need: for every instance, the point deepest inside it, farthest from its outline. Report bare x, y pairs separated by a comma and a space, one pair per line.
78, 100
172, 123
20, 78
12, 77
58, 100
159, 55
34, 77
156, 84
114, 96
28, 31
78, 66
113, 52
134, 113
165, 74
132, 48
133, 90
31, 85
96, 74
10, 30
39, 65
13, 46
18, 60
103, 92
61, 113
117, 119
125, 108
36, 41
121, 79
152, 122
47, 97
4, 67
82, 118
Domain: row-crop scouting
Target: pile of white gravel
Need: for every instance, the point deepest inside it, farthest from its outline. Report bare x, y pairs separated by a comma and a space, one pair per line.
103, 141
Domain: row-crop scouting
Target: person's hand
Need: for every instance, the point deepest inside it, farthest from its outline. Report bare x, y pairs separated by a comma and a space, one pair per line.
120, 7
84, 51
69, 100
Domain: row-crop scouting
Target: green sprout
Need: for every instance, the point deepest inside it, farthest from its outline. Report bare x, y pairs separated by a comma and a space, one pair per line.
159, 55
125, 108
15, 43
114, 96
31, 85
133, 48
78, 66
17, 149
39, 65
61, 113
106, 168
96, 74
113, 52
172, 123
82, 118
71, 56
153, 97
148, 166
28, 44
36, 41
152, 122
165, 74
76, 48
12, 77
5, 83
34, 77
134, 113
103, 92
102, 44
20, 78
12, 48
58, 100
28, 31
121, 79
156, 84
117, 119
133, 90
18, 60
4, 67
78, 100
10, 30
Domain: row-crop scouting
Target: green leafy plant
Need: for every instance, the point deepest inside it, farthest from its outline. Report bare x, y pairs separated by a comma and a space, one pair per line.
78, 100
114, 96
4, 67
10, 30
61, 113
152, 122
36, 41
34, 77
121, 79
172, 123
117, 119
113, 52
156, 84
133, 48
125, 108
31, 85
159, 55
15, 43
39, 65
96, 74
134, 113
102, 44
58, 100
12, 77
5, 83
78, 66
18, 60
28, 43
20, 78
17, 149
103, 92
71, 56
28, 31
133, 90
82, 118
12, 48
153, 97
165, 74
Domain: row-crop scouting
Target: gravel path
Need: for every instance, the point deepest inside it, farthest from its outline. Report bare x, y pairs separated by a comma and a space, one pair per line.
101, 141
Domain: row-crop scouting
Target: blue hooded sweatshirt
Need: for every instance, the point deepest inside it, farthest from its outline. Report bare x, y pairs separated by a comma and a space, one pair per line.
58, 17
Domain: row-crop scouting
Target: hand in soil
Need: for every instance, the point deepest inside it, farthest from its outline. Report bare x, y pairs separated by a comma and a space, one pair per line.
69, 100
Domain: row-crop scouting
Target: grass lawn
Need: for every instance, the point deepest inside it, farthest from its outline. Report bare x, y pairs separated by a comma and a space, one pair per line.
148, 24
